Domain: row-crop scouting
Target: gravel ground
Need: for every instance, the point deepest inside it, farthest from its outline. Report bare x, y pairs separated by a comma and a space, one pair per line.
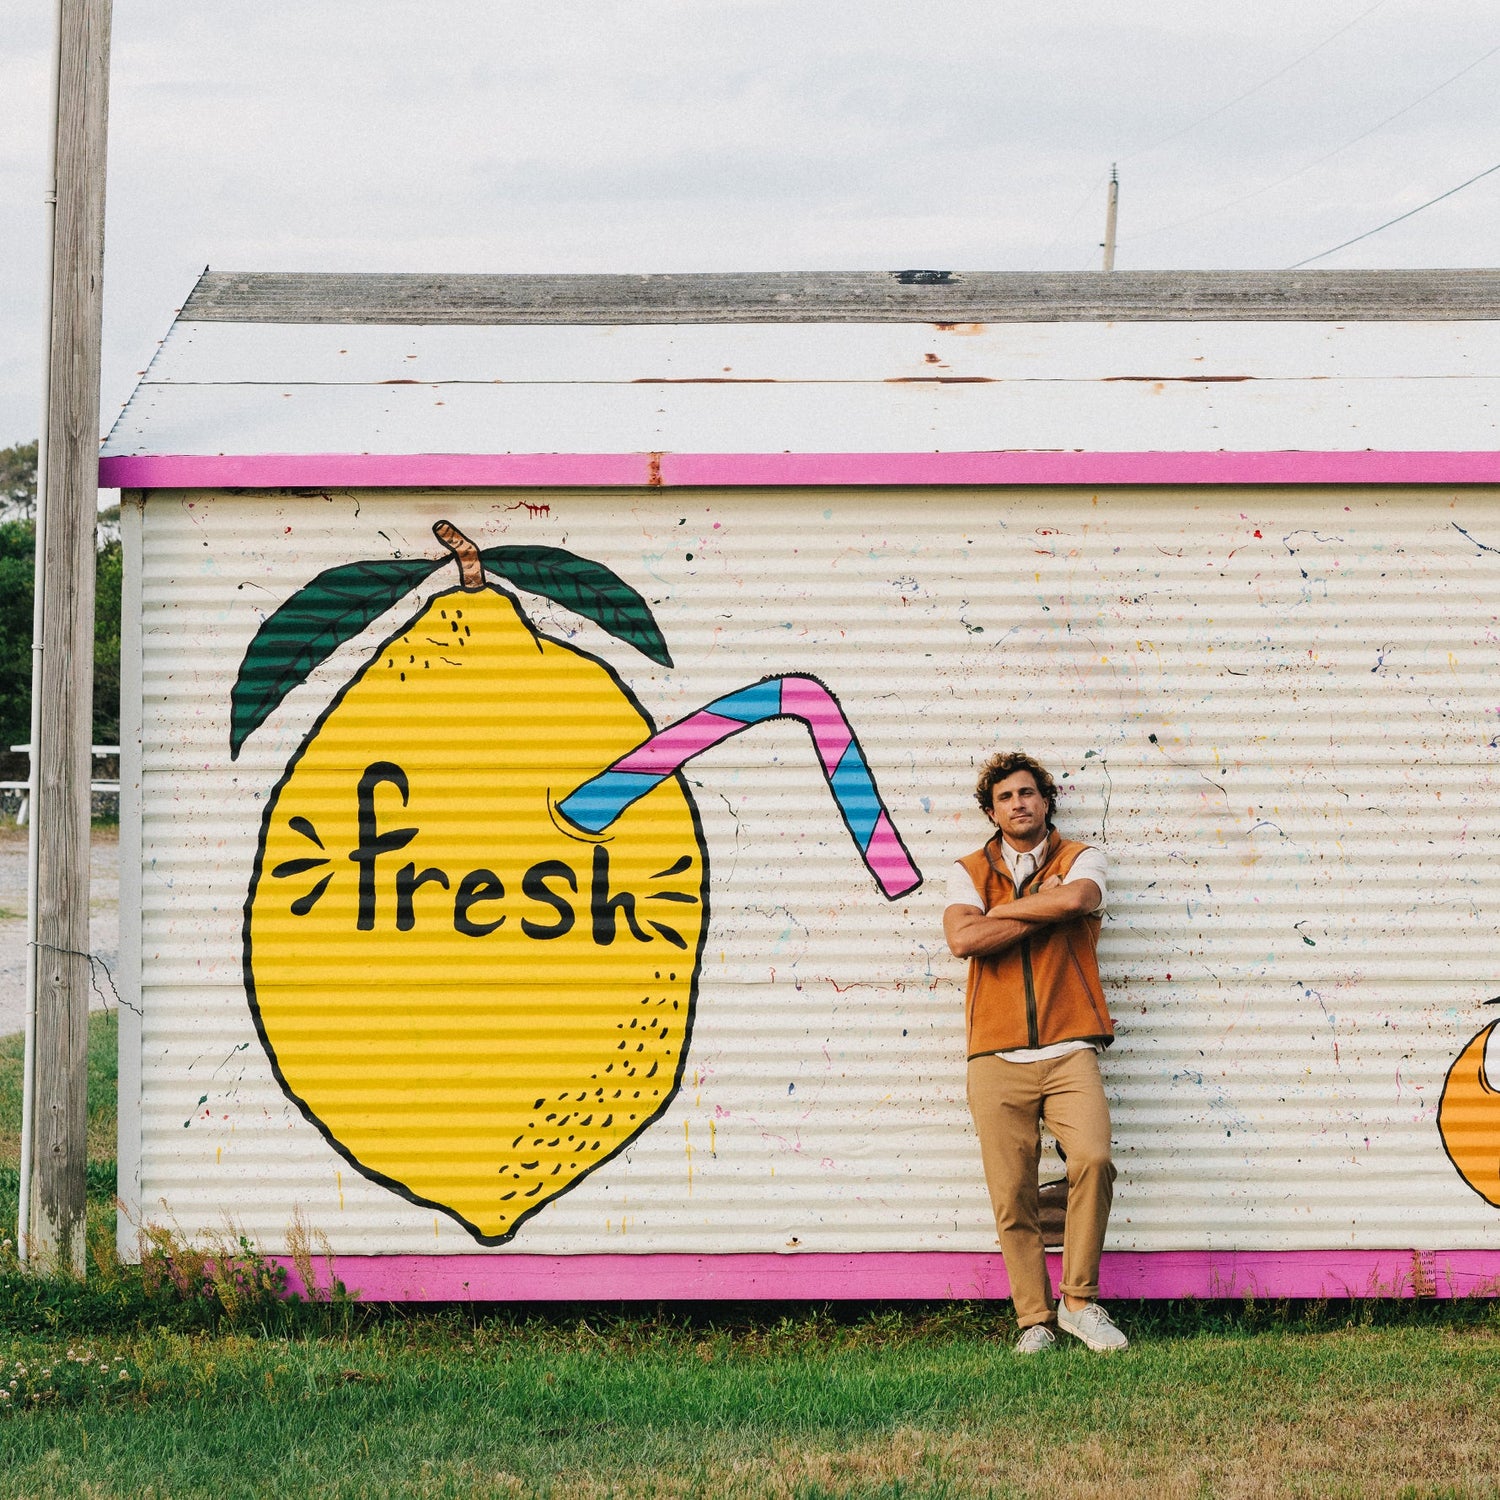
104, 920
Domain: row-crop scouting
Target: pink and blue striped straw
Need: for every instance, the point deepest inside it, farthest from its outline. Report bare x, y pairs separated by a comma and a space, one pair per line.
599, 801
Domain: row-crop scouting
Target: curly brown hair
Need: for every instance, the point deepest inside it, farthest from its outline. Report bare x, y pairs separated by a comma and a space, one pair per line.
1007, 763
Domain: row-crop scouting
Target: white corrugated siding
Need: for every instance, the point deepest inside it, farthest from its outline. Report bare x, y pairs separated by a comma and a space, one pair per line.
1277, 710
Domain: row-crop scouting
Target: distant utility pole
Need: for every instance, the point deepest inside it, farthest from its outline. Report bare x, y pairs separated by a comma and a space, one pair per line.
55, 1106
1111, 214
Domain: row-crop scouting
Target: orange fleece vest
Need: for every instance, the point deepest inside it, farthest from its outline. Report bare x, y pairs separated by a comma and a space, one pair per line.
1044, 989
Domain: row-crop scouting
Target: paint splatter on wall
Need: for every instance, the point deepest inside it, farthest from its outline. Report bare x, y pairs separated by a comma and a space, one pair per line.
1275, 710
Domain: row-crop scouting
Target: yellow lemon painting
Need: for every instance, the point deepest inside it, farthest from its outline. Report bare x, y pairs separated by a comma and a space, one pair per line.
475, 1002
477, 915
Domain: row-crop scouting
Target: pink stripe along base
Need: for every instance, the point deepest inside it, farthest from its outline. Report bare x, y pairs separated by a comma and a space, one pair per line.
904, 1276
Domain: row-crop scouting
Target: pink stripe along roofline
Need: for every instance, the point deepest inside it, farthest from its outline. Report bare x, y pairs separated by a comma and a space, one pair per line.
652, 470
890, 1275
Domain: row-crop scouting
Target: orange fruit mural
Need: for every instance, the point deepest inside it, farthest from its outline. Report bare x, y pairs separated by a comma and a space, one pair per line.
1469, 1119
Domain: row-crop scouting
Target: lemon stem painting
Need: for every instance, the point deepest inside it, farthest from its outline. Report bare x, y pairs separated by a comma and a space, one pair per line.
475, 925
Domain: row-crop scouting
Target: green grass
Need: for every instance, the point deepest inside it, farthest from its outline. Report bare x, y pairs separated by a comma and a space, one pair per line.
102, 1119
886, 1405
252, 1396
103, 1073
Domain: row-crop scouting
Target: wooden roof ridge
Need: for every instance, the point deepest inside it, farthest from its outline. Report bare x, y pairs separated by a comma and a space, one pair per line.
908, 296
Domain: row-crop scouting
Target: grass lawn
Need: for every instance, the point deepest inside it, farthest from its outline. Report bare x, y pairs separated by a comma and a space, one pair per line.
886, 1405
103, 1054
128, 1387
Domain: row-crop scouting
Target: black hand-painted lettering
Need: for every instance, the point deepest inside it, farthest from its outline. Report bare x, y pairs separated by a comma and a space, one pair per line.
476, 886
603, 906
372, 844
408, 883
534, 885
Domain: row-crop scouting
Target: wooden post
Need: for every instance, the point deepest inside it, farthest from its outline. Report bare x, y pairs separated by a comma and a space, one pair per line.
62, 679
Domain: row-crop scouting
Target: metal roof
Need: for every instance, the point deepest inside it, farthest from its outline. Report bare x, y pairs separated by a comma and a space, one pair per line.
271, 380
910, 296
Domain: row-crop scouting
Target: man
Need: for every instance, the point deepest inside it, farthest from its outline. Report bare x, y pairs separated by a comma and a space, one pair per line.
1025, 911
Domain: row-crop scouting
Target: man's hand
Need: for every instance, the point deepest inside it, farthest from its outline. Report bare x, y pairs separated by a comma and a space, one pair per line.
972, 933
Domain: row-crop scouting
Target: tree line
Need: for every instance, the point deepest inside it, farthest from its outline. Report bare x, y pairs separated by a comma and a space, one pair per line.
17, 575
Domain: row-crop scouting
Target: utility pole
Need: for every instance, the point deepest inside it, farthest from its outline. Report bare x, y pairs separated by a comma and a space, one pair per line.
55, 1106
1110, 215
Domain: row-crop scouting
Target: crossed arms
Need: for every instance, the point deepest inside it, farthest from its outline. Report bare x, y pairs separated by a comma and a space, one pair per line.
972, 933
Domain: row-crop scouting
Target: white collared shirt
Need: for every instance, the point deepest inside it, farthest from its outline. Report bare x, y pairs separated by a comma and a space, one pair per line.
1022, 864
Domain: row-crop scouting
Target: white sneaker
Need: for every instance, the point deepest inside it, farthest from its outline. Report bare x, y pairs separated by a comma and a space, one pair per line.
1091, 1324
1038, 1339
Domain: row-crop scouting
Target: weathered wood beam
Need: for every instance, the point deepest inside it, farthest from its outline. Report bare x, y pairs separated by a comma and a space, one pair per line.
852, 297
62, 681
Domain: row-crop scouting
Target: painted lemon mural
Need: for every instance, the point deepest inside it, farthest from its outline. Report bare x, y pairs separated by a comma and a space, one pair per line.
476, 920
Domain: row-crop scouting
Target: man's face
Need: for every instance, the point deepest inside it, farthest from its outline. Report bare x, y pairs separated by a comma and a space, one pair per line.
1019, 810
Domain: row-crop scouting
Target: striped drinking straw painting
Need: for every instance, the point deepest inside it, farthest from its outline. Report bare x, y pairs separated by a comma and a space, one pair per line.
599, 801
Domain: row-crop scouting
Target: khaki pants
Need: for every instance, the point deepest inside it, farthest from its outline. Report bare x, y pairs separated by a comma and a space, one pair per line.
1008, 1102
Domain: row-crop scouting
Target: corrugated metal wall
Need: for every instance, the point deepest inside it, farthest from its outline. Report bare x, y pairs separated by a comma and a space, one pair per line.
1276, 710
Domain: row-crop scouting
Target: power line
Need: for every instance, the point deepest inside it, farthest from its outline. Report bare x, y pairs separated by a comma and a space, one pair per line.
1213, 114
1067, 223
1399, 217
1317, 161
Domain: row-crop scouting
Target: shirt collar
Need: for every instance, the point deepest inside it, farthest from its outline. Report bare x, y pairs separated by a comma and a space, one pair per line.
1011, 856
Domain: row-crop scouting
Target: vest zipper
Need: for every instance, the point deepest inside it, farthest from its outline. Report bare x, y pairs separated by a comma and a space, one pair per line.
1033, 1035
1032, 1038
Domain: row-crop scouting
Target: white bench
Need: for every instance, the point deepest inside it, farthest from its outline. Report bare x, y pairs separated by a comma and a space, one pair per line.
24, 787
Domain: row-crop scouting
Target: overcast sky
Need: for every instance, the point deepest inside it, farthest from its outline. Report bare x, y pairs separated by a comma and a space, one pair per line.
683, 135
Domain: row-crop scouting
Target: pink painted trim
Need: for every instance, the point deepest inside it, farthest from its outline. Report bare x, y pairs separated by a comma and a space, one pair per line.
650, 470
1017, 467
905, 1276
272, 471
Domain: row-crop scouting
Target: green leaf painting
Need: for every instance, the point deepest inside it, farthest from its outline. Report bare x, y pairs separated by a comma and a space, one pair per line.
587, 588
340, 602
306, 630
